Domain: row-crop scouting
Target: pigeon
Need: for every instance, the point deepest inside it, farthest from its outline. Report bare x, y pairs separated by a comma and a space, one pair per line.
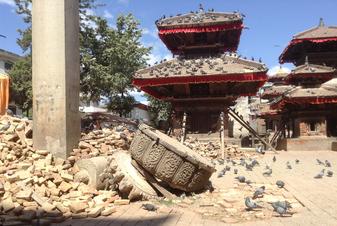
259, 192
233, 162
221, 174
319, 162
260, 150
249, 167
329, 173
242, 162
297, 161
281, 210
221, 161
250, 204
228, 168
274, 159
268, 172
327, 163
281, 207
283, 204
149, 207
255, 163
288, 165
235, 171
248, 182
280, 184
267, 167
241, 179
320, 175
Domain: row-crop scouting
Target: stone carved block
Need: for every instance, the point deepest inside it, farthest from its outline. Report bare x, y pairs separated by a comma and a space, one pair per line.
170, 161
168, 166
184, 174
152, 157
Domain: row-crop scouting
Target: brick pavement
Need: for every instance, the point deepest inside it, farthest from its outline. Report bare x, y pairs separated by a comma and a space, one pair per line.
317, 195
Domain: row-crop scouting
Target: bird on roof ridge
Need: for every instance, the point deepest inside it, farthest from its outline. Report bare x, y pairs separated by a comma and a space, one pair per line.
201, 8
321, 22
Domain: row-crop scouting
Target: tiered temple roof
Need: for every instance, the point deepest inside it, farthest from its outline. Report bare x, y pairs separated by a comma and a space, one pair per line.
325, 93
201, 32
241, 76
311, 74
312, 43
275, 91
206, 75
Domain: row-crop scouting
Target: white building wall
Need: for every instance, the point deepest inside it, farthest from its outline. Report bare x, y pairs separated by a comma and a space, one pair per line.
2, 66
140, 114
242, 107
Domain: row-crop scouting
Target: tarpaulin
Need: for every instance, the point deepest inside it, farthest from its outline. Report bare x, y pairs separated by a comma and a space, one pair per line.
4, 93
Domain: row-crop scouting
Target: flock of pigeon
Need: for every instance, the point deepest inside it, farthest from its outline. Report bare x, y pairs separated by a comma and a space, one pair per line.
280, 207
326, 163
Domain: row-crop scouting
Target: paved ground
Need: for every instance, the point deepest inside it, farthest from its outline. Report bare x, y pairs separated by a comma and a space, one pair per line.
318, 196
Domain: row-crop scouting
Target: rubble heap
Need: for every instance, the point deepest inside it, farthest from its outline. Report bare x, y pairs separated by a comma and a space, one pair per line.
35, 184
212, 149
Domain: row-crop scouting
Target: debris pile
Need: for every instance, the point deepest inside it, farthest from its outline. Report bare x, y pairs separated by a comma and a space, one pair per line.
35, 184
213, 149
103, 142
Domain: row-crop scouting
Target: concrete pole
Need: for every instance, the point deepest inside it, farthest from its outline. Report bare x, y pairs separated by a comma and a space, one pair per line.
56, 69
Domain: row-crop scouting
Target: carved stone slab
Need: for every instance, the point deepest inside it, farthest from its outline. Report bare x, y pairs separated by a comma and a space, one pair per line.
169, 160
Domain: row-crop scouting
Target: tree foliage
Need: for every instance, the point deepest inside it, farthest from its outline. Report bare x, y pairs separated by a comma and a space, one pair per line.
159, 110
21, 84
110, 61
109, 57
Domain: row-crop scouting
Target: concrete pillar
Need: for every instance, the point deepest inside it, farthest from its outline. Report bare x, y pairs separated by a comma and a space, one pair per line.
56, 65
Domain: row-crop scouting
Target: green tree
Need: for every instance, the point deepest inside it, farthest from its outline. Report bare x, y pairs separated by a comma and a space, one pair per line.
21, 73
109, 56
21, 84
159, 110
110, 61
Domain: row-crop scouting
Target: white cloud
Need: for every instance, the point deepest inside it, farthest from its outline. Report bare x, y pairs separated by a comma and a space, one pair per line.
153, 58
107, 14
277, 68
159, 52
8, 2
153, 32
86, 20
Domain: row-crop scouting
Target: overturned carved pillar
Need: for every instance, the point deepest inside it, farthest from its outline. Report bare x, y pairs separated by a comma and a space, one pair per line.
56, 64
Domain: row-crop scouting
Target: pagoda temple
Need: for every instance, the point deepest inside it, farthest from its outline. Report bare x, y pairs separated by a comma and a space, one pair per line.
275, 87
308, 108
319, 44
206, 75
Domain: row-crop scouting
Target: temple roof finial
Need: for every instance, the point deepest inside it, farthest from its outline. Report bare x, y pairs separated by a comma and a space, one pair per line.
321, 22
201, 8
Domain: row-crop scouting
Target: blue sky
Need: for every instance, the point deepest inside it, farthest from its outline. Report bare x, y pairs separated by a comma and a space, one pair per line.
271, 23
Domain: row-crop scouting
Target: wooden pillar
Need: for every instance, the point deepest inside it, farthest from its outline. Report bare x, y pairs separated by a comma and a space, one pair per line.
183, 132
222, 134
